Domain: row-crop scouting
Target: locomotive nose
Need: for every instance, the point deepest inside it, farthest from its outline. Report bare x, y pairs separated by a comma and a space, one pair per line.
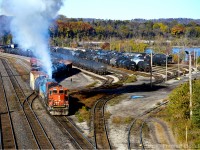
58, 98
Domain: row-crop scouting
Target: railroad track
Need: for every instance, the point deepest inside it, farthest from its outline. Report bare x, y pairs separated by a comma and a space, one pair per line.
99, 122
7, 133
159, 72
100, 130
79, 140
135, 129
172, 70
39, 135
139, 127
107, 82
19, 60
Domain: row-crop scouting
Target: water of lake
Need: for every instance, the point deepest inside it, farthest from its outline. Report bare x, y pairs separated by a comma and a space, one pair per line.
176, 50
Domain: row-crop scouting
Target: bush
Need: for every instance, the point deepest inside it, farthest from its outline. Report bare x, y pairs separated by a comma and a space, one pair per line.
179, 113
131, 79
128, 120
107, 115
83, 114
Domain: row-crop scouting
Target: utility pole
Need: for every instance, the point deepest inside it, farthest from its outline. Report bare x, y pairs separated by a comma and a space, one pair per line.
151, 63
110, 43
190, 82
178, 61
166, 67
196, 58
186, 136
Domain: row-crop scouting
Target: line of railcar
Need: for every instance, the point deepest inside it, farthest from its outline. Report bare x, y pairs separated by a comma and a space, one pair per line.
131, 61
90, 65
97, 60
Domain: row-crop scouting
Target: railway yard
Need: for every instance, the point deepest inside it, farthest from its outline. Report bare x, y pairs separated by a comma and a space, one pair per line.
121, 114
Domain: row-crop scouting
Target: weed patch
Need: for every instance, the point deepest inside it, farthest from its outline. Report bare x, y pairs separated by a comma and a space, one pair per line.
83, 114
119, 120
131, 79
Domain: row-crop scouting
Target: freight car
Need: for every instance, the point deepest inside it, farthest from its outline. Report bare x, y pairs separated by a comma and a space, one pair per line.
90, 65
96, 67
54, 95
59, 67
18, 51
35, 62
144, 66
67, 63
159, 59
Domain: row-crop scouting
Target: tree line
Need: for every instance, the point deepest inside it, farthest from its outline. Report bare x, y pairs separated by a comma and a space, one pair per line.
104, 29
69, 31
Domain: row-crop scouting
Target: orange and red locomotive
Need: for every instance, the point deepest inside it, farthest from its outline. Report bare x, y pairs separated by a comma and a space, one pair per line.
54, 95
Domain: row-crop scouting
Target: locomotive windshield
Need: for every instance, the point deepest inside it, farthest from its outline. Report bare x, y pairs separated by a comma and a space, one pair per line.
61, 92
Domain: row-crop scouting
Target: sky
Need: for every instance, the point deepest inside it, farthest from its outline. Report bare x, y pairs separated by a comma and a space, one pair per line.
130, 9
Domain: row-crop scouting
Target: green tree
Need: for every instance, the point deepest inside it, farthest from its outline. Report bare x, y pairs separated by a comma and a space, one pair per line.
179, 112
196, 103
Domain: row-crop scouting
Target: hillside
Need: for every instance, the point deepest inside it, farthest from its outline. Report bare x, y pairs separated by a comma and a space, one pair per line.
68, 30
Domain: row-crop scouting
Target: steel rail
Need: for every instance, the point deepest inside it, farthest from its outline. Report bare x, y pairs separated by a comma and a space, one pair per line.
30, 105
105, 127
133, 122
10, 120
77, 137
37, 127
20, 103
79, 131
141, 139
129, 133
21, 95
98, 110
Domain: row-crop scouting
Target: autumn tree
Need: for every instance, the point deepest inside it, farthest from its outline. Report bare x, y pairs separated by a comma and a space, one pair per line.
178, 30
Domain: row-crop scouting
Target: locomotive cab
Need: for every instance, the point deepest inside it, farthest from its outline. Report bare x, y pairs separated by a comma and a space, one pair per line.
58, 100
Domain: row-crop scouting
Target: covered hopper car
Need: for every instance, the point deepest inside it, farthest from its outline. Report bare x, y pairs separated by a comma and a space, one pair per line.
54, 95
